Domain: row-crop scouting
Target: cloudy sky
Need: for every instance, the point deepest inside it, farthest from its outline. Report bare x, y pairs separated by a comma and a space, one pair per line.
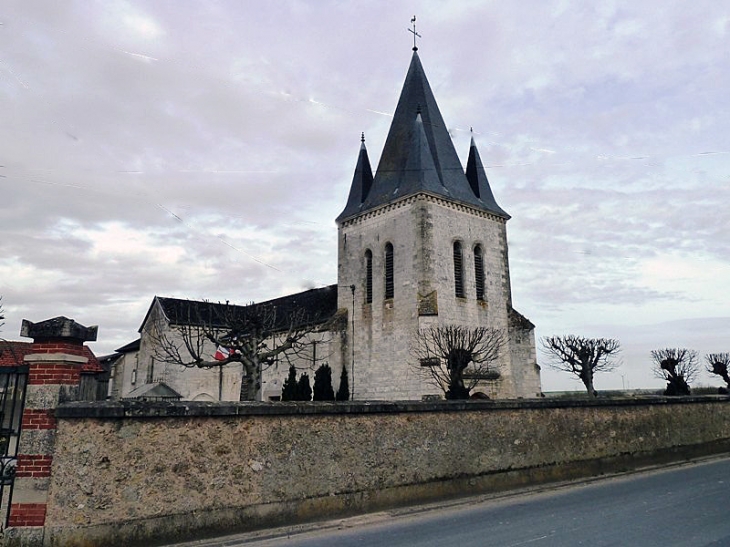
203, 150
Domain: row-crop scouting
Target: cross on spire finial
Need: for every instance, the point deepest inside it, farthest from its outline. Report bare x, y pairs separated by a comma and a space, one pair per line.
413, 30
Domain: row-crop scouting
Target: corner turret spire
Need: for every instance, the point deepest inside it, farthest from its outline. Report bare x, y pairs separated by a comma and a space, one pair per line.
477, 177
362, 181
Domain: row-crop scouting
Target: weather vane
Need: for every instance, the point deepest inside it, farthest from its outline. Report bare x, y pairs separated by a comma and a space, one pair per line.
413, 30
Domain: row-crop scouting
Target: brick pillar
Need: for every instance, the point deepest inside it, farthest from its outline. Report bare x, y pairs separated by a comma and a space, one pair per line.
54, 374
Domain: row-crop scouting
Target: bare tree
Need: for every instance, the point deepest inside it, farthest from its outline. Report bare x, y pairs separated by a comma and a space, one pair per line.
677, 366
258, 336
581, 356
456, 358
718, 363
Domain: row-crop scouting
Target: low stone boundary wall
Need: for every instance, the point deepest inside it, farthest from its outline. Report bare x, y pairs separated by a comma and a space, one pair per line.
143, 473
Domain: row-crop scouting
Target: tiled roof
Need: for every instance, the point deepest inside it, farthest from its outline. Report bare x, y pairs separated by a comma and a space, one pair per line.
316, 305
418, 156
13, 352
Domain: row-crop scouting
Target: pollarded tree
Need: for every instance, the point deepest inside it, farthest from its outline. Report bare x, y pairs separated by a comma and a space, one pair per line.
258, 336
719, 363
581, 356
323, 390
677, 366
343, 391
456, 358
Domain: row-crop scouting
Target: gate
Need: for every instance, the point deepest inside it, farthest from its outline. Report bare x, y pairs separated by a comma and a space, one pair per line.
13, 381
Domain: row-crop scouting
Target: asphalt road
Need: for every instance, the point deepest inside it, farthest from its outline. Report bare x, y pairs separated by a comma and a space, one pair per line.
687, 505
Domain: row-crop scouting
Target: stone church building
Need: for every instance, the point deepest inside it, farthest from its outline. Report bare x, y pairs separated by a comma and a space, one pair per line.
422, 242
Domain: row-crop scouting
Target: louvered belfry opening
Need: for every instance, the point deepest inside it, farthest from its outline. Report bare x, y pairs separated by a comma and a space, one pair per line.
479, 271
368, 277
389, 285
458, 270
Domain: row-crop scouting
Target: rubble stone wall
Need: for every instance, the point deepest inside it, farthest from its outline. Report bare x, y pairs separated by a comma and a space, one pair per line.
130, 473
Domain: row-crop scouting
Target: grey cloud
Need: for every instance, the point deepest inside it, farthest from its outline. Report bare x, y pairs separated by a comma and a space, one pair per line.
246, 127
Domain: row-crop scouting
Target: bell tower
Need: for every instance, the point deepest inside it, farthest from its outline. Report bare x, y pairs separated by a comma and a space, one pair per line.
424, 243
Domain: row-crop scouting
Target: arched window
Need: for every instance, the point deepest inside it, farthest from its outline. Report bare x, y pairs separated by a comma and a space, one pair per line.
479, 271
458, 270
389, 286
368, 277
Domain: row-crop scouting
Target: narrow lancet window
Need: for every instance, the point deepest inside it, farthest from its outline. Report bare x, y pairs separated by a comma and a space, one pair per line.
368, 277
479, 271
389, 286
151, 371
458, 271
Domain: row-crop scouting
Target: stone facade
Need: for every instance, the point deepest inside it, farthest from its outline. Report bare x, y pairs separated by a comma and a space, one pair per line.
194, 384
218, 383
422, 230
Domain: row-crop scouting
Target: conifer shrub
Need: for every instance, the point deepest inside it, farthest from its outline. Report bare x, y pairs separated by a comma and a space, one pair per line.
343, 392
289, 389
304, 388
323, 390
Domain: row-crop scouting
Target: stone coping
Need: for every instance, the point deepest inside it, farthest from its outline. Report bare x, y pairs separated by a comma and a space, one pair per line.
163, 409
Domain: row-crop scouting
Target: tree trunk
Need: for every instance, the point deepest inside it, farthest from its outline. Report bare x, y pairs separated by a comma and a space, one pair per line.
457, 362
587, 378
250, 382
726, 378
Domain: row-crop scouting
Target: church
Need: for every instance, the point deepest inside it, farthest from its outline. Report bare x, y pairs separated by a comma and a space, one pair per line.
422, 243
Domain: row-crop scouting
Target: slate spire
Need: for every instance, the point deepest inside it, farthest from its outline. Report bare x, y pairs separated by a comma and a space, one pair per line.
418, 156
362, 181
420, 170
477, 177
